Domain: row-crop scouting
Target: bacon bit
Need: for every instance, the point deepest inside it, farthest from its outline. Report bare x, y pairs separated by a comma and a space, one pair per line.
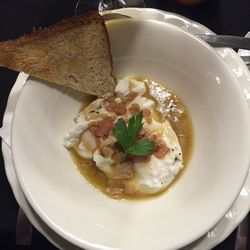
118, 157
146, 112
146, 115
161, 149
134, 109
102, 129
118, 108
131, 96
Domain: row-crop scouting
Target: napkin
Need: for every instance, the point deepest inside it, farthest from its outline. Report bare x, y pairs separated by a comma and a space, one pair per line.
5, 130
24, 228
5, 133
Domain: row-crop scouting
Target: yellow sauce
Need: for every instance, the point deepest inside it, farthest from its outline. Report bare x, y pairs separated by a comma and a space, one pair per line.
173, 109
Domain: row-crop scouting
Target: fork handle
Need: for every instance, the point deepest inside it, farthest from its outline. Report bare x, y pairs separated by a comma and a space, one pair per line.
236, 42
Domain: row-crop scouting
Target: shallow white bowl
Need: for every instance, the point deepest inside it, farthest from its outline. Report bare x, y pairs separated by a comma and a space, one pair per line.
204, 193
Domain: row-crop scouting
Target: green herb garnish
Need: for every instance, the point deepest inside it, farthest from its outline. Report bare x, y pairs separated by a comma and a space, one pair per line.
127, 136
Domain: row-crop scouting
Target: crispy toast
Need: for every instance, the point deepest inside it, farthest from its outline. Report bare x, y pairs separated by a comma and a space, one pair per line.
74, 52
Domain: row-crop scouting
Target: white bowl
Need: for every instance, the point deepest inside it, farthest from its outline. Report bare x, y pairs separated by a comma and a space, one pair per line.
203, 194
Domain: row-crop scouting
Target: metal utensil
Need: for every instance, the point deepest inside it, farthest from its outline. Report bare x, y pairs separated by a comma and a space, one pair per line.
246, 60
236, 42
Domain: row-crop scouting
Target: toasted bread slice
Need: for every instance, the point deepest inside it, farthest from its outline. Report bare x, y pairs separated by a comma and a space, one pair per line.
74, 52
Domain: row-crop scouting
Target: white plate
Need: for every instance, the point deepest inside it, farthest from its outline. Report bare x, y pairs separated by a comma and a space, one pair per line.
206, 241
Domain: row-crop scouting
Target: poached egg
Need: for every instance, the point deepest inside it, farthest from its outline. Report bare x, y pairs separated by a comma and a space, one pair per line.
90, 140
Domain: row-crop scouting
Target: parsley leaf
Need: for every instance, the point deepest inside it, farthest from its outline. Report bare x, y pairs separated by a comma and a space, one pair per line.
120, 132
127, 136
142, 148
134, 127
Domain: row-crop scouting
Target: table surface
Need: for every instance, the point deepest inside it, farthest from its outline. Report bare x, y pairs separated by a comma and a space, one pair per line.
20, 17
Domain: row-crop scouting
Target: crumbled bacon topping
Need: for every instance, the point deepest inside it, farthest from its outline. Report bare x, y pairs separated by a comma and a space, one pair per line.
118, 108
146, 112
131, 96
134, 109
103, 128
161, 149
